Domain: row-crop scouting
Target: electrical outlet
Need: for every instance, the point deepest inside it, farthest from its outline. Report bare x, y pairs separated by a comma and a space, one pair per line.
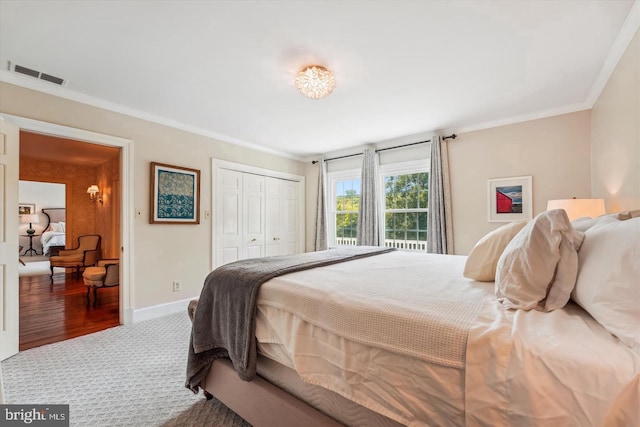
177, 286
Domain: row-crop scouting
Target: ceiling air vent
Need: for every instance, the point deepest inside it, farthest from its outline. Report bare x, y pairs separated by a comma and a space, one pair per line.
36, 74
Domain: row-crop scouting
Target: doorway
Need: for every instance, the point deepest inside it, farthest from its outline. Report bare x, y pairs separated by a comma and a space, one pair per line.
13, 125
55, 308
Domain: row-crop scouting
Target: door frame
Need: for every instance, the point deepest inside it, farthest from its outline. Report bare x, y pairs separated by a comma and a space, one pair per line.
126, 201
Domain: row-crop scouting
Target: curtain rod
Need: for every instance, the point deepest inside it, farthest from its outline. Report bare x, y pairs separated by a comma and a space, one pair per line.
452, 136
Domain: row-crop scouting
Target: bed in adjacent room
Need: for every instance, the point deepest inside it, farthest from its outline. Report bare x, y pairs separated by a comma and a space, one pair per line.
54, 235
397, 338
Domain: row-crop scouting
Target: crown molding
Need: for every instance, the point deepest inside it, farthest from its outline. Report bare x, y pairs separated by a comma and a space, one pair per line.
66, 93
619, 46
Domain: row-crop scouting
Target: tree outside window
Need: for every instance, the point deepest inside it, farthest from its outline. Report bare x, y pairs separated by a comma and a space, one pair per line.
347, 202
406, 210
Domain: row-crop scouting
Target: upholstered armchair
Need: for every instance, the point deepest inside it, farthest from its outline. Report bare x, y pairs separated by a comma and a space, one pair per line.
84, 255
105, 275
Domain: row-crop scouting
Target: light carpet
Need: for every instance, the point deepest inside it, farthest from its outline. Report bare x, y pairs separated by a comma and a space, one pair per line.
37, 268
129, 375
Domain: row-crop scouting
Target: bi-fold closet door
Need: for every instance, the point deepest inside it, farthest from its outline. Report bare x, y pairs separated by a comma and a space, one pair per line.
255, 216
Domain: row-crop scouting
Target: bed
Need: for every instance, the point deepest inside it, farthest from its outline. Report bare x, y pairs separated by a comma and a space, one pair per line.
398, 338
54, 235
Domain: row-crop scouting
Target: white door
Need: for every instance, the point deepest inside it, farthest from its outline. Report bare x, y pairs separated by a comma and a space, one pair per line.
253, 222
289, 218
228, 217
272, 220
9, 164
281, 217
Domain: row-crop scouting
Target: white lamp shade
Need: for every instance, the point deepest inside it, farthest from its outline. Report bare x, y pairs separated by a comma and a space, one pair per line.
29, 219
578, 208
93, 189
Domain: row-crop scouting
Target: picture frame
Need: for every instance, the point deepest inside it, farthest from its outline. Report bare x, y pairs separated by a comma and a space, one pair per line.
26, 208
509, 199
175, 195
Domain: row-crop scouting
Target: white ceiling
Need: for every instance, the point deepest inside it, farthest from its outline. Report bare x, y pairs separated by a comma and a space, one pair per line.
226, 68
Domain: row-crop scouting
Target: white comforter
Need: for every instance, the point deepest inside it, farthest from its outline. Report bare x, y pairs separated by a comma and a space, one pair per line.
51, 238
521, 368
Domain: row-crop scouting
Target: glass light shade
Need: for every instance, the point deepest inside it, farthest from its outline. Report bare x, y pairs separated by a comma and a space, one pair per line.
93, 189
578, 208
315, 81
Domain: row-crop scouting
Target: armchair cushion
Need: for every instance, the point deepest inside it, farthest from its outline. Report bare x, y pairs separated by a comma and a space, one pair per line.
85, 254
67, 261
106, 274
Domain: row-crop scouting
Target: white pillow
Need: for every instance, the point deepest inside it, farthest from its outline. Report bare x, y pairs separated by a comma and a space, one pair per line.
55, 227
608, 285
483, 259
538, 267
63, 226
583, 224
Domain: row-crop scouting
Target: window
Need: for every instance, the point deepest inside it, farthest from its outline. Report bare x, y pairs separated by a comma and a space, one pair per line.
344, 193
404, 205
406, 198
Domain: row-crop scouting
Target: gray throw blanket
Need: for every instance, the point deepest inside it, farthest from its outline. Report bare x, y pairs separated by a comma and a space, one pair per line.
224, 323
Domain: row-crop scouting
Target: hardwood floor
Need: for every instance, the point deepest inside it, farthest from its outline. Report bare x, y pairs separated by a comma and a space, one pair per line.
55, 312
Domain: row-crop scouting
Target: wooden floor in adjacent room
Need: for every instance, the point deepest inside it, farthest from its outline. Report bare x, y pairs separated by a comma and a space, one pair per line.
55, 312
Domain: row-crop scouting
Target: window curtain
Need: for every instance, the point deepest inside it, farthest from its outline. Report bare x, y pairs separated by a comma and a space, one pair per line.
440, 229
320, 235
368, 216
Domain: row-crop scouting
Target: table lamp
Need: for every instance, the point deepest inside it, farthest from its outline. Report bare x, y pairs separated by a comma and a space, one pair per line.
30, 219
578, 208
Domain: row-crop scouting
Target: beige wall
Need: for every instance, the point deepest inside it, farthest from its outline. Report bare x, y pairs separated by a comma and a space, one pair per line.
554, 151
162, 253
615, 135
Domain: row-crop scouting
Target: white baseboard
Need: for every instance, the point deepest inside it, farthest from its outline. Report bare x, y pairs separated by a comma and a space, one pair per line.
136, 315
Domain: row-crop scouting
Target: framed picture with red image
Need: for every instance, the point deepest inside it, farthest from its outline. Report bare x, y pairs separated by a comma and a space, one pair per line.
509, 199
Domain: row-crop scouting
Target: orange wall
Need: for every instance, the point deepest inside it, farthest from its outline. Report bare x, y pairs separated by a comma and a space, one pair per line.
107, 214
81, 211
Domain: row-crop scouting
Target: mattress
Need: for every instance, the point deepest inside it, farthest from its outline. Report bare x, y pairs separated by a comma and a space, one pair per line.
525, 368
341, 409
407, 387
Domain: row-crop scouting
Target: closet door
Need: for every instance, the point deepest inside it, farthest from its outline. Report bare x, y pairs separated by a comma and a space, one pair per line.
289, 218
228, 217
253, 215
281, 216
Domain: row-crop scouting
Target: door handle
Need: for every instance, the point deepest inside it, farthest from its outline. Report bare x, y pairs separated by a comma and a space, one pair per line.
253, 240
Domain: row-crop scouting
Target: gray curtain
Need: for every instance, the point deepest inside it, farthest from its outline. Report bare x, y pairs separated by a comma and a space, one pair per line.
320, 235
440, 229
368, 216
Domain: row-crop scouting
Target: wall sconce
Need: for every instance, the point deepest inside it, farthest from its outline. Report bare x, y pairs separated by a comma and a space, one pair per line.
578, 208
95, 194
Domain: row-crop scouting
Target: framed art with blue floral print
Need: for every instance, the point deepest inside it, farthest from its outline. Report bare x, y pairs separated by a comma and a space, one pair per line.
175, 195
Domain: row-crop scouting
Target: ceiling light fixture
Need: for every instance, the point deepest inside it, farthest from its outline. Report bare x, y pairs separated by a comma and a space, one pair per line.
315, 81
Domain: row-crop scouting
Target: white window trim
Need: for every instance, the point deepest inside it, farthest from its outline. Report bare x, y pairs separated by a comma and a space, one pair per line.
332, 177
414, 166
